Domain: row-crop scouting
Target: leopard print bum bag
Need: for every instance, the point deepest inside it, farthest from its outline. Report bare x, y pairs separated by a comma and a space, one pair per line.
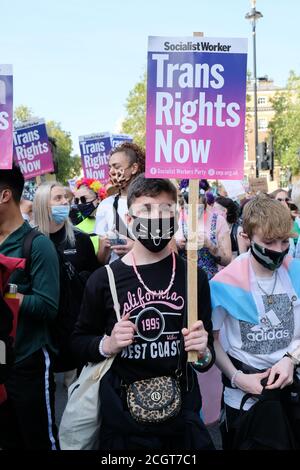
154, 400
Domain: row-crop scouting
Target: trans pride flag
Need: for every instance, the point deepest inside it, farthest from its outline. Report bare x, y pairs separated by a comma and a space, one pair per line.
232, 289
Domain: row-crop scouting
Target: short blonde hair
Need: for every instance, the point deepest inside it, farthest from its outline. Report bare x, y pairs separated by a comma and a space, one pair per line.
42, 213
269, 216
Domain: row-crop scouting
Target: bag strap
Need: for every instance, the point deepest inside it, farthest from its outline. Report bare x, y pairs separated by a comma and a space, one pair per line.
27, 248
118, 221
113, 290
247, 397
182, 352
213, 228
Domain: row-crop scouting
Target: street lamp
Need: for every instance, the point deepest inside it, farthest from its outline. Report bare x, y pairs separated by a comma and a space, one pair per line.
253, 16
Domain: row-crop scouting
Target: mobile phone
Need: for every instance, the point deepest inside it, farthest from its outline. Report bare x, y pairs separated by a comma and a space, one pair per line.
117, 241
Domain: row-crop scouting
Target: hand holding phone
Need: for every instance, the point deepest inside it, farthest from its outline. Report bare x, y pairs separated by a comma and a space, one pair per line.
117, 241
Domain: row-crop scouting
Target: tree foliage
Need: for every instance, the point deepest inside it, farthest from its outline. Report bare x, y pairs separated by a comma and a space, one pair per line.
285, 126
22, 114
135, 121
68, 166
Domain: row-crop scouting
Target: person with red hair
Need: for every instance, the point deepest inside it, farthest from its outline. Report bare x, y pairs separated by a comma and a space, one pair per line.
88, 195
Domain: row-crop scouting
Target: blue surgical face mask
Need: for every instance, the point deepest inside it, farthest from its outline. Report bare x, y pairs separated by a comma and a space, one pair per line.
60, 213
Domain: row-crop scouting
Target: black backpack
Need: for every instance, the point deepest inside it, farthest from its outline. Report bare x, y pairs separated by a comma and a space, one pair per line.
265, 426
72, 286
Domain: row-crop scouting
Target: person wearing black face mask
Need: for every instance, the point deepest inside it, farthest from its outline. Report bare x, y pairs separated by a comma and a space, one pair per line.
151, 339
154, 233
85, 207
83, 212
269, 259
255, 301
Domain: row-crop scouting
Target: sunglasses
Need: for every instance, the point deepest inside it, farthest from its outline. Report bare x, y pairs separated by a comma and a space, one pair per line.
286, 199
293, 207
82, 200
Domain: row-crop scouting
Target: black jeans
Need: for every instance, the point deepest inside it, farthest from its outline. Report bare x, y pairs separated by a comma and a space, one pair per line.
27, 417
227, 428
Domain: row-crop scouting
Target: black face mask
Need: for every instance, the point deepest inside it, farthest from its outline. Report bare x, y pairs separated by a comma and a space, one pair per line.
75, 216
270, 259
86, 209
154, 234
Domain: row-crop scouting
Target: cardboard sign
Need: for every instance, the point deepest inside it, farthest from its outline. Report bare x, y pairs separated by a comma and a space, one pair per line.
32, 151
117, 139
196, 102
233, 188
72, 184
6, 117
94, 149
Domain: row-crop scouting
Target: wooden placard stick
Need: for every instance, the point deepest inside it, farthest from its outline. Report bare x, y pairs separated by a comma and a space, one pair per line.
192, 259
192, 255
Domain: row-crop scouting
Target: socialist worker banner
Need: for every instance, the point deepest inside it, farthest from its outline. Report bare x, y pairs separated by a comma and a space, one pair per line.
94, 150
117, 139
32, 151
6, 117
196, 103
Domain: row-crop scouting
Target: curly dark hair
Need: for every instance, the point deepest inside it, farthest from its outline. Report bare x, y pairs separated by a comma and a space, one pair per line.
134, 152
204, 184
232, 208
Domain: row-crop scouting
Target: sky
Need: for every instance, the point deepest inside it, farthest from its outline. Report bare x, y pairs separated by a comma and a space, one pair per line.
76, 61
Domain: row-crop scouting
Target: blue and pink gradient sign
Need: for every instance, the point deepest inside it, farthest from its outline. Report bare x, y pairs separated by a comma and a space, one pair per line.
117, 139
196, 103
94, 150
32, 151
6, 117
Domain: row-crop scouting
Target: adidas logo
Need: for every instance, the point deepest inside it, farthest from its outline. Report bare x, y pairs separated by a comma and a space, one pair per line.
268, 335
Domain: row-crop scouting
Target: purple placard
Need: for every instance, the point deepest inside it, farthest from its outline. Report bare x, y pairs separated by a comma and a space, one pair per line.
32, 150
6, 117
117, 139
196, 103
94, 150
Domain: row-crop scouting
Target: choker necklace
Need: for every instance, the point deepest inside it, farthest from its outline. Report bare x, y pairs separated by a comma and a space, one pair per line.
154, 292
270, 298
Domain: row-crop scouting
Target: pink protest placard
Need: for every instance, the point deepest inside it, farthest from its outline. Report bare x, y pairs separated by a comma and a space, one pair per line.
32, 151
94, 149
6, 117
196, 102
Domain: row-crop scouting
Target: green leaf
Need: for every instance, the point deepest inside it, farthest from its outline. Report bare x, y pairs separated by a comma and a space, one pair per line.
135, 121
